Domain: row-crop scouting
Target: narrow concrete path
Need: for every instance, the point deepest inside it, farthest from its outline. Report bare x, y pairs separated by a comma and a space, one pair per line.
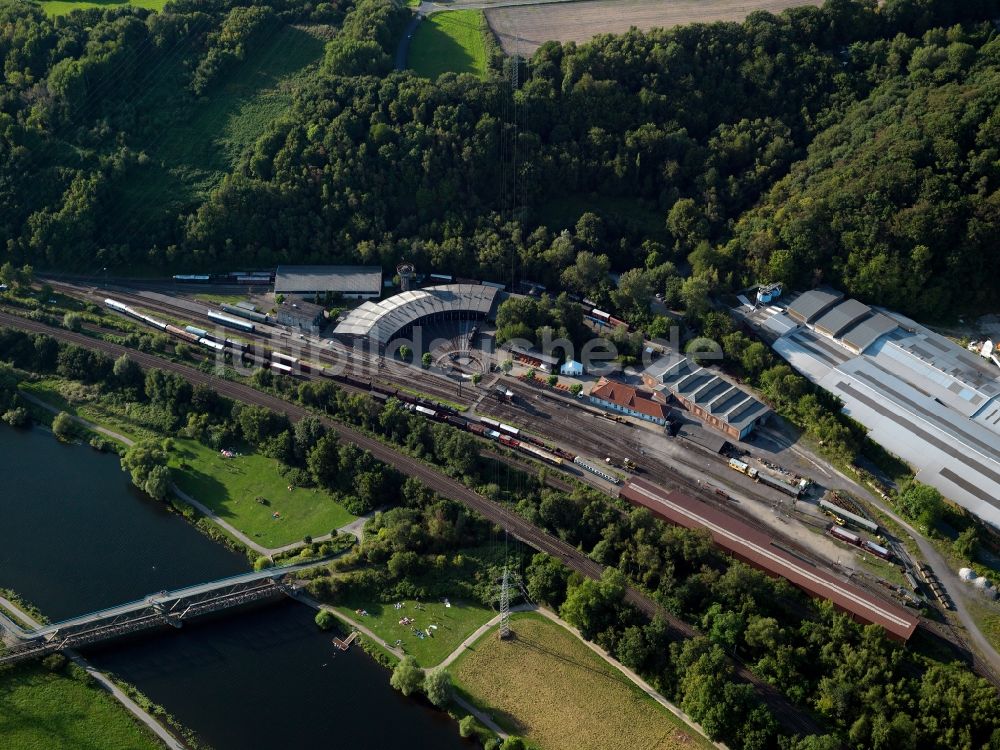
483, 718
632, 676
354, 528
479, 633
161, 732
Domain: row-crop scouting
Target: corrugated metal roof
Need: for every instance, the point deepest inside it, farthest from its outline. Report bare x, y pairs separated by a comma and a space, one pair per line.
756, 548
841, 317
344, 279
381, 320
865, 333
810, 305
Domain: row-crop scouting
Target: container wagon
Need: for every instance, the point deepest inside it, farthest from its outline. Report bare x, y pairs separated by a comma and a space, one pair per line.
181, 333
225, 320
211, 344
542, 454
284, 358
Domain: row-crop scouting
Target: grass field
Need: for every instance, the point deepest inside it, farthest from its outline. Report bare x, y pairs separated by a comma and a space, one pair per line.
230, 486
549, 687
454, 624
449, 42
62, 7
987, 617
40, 710
523, 29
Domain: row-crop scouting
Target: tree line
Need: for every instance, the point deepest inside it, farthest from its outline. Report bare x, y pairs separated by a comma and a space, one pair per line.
849, 143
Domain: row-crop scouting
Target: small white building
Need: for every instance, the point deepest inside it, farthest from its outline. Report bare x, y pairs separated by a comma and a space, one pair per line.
571, 368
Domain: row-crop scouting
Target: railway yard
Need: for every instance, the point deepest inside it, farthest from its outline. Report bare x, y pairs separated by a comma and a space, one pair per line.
817, 533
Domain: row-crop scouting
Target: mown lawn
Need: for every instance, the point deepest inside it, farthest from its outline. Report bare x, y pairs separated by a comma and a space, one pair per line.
230, 486
454, 625
449, 42
62, 7
549, 687
40, 710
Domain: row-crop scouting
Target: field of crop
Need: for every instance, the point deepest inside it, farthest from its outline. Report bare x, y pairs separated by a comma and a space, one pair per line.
231, 486
62, 7
448, 626
40, 710
523, 29
547, 686
449, 42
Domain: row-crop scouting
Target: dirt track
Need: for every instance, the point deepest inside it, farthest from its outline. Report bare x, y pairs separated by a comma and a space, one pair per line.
523, 29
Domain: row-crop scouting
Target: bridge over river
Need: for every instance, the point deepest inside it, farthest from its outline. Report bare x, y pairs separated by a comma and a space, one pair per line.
155, 610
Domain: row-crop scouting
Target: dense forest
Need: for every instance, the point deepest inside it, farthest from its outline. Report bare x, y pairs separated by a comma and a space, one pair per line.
853, 143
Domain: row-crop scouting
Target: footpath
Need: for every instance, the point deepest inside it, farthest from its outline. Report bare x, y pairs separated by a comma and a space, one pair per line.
483, 718
354, 528
105, 682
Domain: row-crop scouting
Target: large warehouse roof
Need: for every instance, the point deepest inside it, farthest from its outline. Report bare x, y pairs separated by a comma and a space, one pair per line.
810, 305
842, 316
867, 332
362, 280
380, 321
750, 545
921, 395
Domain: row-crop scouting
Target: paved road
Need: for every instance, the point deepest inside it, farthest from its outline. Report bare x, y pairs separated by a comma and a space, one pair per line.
106, 682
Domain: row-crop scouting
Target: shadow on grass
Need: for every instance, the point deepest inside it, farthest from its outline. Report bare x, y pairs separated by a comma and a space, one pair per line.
439, 52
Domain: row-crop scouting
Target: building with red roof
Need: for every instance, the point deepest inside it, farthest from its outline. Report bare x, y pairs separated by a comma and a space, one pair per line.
625, 399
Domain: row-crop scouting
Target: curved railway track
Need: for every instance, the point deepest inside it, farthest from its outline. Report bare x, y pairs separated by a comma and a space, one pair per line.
793, 718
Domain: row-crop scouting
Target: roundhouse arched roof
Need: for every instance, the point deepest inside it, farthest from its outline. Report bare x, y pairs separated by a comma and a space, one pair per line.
380, 321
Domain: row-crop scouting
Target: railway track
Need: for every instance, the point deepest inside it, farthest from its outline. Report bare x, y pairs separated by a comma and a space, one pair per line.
794, 719
352, 363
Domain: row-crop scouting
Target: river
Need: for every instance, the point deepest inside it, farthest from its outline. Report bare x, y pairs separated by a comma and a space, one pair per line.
75, 536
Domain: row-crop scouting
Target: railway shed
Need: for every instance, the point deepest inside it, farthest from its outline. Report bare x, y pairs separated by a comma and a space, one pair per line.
808, 306
379, 322
354, 282
755, 548
707, 395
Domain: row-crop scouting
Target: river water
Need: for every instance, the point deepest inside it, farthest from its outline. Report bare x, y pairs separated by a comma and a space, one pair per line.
75, 536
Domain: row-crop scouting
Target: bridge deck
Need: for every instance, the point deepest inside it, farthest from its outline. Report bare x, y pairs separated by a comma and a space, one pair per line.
163, 599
